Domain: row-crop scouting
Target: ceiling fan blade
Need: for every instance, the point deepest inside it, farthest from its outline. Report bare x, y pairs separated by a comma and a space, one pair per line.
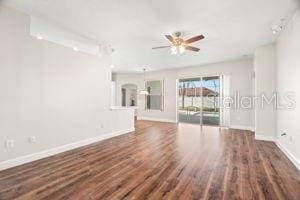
161, 47
194, 39
170, 38
192, 48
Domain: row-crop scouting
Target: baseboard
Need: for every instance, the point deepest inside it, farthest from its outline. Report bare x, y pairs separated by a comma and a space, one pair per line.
156, 119
291, 157
50, 152
265, 138
247, 128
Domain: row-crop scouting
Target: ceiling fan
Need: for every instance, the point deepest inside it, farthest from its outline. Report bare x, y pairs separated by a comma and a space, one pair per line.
179, 45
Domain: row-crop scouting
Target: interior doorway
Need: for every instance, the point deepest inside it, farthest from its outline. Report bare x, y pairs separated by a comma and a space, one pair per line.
129, 95
123, 97
198, 100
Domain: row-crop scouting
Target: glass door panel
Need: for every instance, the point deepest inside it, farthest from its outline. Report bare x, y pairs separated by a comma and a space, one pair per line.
211, 100
198, 100
189, 100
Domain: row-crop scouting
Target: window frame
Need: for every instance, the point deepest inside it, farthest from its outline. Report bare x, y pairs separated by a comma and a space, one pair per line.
161, 95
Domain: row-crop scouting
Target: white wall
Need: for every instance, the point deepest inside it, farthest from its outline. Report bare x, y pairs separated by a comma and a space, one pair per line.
265, 84
51, 92
288, 80
113, 93
241, 73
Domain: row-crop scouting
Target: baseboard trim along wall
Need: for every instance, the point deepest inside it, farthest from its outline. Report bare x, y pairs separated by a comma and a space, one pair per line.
288, 154
247, 128
156, 119
292, 158
50, 152
265, 138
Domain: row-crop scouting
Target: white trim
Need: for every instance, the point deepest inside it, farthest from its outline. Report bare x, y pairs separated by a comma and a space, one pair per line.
46, 153
289, 154
156, 119
123, 107
281, 146
247, 128
265, 138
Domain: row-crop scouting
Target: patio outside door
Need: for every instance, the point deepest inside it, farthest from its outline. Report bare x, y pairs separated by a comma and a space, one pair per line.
210, 100
198, 100
189, 100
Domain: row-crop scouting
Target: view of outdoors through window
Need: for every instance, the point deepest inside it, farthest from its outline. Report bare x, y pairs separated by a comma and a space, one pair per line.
155, 97
198, 100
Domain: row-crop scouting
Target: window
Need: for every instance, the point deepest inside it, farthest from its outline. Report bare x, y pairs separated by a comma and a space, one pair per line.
154, 100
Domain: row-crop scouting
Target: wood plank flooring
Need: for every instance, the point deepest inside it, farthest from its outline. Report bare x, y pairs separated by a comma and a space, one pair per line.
160, 161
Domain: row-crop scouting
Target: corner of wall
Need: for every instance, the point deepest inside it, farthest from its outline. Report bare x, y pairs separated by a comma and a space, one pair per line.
289, 154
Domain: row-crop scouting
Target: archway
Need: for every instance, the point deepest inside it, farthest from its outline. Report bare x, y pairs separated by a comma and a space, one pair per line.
129, 94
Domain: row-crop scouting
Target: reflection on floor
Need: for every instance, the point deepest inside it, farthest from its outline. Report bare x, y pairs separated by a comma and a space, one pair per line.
209, 118
160, 161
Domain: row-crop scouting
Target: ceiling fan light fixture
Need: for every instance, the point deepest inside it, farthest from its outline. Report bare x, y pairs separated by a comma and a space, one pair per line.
144, 91
174, 50
39, 37
179, 45
181, 49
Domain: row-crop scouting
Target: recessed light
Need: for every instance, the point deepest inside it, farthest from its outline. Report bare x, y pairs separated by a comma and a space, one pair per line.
278, 26
75, 49
39, 37
112, 66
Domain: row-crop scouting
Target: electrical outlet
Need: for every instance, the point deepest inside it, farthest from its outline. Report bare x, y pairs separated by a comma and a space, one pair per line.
9, 144
32, 139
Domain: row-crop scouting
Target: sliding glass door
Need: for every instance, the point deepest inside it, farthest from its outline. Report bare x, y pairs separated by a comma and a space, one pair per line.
189, 100
198, 100
210, 100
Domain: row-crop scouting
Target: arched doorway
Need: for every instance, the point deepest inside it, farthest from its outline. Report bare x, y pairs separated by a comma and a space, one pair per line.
129, 94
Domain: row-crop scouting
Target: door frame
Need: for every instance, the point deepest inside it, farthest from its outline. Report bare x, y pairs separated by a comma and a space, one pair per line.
221, 110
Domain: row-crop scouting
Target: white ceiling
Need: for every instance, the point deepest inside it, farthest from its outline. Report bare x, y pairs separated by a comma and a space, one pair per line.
232, 28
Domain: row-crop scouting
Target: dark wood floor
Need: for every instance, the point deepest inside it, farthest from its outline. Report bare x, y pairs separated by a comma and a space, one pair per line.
160, 161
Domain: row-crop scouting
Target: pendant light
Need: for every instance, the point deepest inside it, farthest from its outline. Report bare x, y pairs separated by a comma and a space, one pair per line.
144, 91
